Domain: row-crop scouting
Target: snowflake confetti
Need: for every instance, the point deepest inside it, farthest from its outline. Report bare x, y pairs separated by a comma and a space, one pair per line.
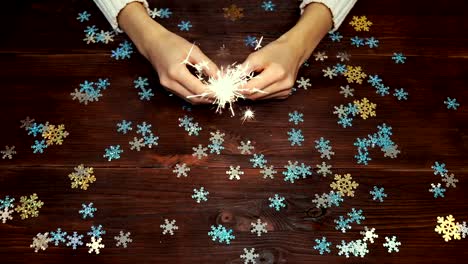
399, 58
324, 169
439, 168
184, 25
360, 23
295, 137
450, 181
342, 224
234, 173
199, 151
369, 234
320, 56
329, 73
124, 127
355, 216
6, 214
29, 207
123, 239
366, 108
7, 202
258, 160
354, 74
221, 234
448, 228
83, 16
437, 190
372, 42
95, 245
322, 245
259, 227
452, 103
87, 210
296, 117
113, 152
268, 172
26, 123
96, 231
303, 83
277, 202
58, 236
335, 36
82, 177
39, 146
347, 91
75, 240
41, 241
344, 185
357, 41
137, 143
392, 244
233, 12
165, 13
200, 195
8, 152
169, 227
378, 194
401, 94
245, 147
249, 256
181, 170
268, 6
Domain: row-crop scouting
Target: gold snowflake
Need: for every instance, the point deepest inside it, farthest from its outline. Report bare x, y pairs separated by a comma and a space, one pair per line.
28, 207
344, 185
448, 228
354, 74
365, 108
54, 135
82, 177
360, 23
233, 12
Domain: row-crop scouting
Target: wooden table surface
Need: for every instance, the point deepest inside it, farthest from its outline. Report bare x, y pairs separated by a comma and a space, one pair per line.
43, 59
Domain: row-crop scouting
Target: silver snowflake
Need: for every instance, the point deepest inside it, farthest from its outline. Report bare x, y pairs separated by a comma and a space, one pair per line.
341, 111
169, 227
83, 98
450, 180
95, 245
344, 249
343, 56
234, 172
321, 201
249, 256
462, 229
324, 169
181, 170
90, 38
8, 152
391, 151
154, 13
329, 72
200, 195
268, 172
320, 56
392, 244
359, 248
26, 123
123, 239
107, 37
217, 137
245, 147
259, 227
369, 234
326, 153
303, 83
199, 151
41, 241
137, 144
347, 91
6, 215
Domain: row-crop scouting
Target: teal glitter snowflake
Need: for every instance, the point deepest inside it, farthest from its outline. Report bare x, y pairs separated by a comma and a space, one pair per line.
250, 41
96, 231
392, 244
57, 236
150, 140
399, 58
335, 36
268, 6
91, 30
437, 190
277, 202
74, 240
401, 94
291, 173
124, 127
374, 80
144, 128
124, 51
295, 137
102, 84
35, 129
165, 13
372, 42
334, 198
452, 103
140, 82
184, 25
39, 146
221, 234
439, 168
215, 148
357, 41
342, 224
345, 121
355, 216
258, 160
296, 117
340, 68
382, 90
87, 211
7, 202
322, 245
146, 94
113, 152
378, 194
200, 195
83, 16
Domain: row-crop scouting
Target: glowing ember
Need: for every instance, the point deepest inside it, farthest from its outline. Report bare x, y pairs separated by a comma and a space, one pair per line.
249, 114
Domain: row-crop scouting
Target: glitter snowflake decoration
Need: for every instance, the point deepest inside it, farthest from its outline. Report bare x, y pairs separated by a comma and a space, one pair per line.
82, 177
439, 168
7, 202
184, 25
113, 152
277, 202
296, 117
451, 103
399, 58
6, 214
368, 234
54, 134
123, 239
8, 152
124, 127
450, 180
181, 170
268, 6
233, 12
169, 227
221, 234
29, 206
448, 228
295, 137
322, 245
199, 151
378, 194
344, 185
303, 83
75, 240
200, 195
324, 169
58, 236
366, 108
245, 147
96, 231
234, 172
249, 256
258, 160
41, 241
95, 245
268, 172
342, 224
259, 227
360, 23
347, 91
392, 244
87, 210
354, 74
437, 190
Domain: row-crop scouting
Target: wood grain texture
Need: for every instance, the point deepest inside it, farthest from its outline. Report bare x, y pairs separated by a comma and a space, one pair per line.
42, 59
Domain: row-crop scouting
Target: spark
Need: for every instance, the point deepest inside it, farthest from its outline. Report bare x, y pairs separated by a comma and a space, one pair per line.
259, 42
249, 114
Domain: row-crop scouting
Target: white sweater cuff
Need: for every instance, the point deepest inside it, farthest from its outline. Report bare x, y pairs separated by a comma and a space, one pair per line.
112, 8
338, 8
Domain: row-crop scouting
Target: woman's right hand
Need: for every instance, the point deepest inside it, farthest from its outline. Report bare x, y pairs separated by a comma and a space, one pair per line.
167, 51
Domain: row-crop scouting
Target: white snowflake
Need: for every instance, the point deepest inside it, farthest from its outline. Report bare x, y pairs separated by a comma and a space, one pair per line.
95, 245
345, 249
268, 172
343, 56
181, 170
137, 144
320, 56
462, 229
391, 151
359, 248
90, 38
347, 91
259, 227
107, 36
450, 180
321, 201
392, 244
169, 227
326, 153
199, 151
41, 241
324, 169
217, 137
303, 83
369, 234
245, 147
154, 13
249, 256
341, 111
123, 239
6, 214
234, 172
329, 72
26, 123
8, 152
83, 98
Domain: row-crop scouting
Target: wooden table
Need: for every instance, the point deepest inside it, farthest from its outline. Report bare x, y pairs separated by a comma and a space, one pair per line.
43, 59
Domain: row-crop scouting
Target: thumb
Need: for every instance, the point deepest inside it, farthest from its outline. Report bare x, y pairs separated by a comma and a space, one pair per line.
198, 57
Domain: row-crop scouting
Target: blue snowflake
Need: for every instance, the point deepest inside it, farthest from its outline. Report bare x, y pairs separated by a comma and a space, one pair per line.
385, 130
335, 36
74, 240
91, 30
165, 13
304, 170
295, 137
296, 117
140, 83
399, 58
372, 42
150, 140
215, 148
144, 128
184, 25
291, 173
83, 16
335, 198
124, 126
113, 152
101, 37
39, 146
374, 80
185, 122
124, 51
322, 245
382, 90
86, 86
6, 203
221, 234
35, 129
277, 202
357, 41
401, 94
345, 121
340, 68
200, 195
103, 83
356, 216
96, 231
322, 144
268, 6
378, 194
146, 94
250, 41
87, 211
352, 109
258, 161
57, 236
362, 143
452, 103
439, 168
194, 129
437, 190
342, 224
362, 157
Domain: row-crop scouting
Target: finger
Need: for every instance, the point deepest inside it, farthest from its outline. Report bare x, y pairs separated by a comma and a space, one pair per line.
188, 96
198, 57
278, 95
267, 78
190, 82
274, 88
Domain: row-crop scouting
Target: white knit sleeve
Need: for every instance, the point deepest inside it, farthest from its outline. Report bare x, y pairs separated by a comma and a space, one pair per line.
338, 8
112, 8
